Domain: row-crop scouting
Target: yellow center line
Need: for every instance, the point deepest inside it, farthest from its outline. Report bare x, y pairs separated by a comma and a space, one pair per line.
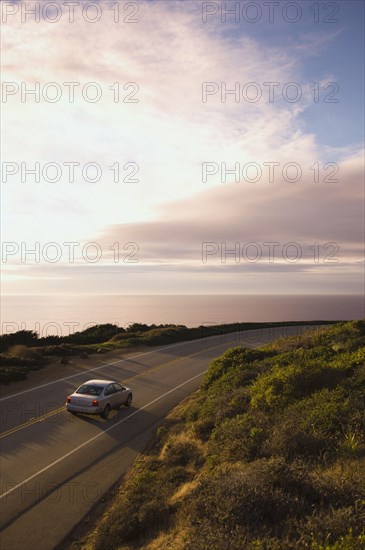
41, 418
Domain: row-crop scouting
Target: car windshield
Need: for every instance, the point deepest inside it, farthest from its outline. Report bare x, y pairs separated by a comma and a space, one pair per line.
90, 389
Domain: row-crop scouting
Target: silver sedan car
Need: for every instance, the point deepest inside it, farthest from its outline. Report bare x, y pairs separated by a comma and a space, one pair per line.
98, 397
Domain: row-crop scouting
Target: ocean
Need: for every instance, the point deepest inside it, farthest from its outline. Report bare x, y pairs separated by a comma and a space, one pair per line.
63, 315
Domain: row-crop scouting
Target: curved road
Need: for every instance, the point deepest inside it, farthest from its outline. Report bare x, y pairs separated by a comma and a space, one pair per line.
55, 466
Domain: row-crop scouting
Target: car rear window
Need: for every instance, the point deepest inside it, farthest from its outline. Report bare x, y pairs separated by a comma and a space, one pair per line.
90, 389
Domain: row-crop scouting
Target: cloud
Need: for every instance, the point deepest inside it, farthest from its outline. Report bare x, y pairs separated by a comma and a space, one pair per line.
170, 133
304, 212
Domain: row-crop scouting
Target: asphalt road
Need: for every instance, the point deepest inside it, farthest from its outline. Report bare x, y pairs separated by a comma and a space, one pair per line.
55, 466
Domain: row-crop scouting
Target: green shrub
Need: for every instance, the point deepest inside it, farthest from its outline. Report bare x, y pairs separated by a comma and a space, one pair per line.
239, 357
142, 507
239, 438
17, 362
203, 428
182, 452
23, 352
285, 384
335, 528
310, 427
22, 337
12, 374
254, 501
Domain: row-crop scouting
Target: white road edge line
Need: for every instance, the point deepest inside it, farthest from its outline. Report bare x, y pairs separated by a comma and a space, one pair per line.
96, 437
98, 368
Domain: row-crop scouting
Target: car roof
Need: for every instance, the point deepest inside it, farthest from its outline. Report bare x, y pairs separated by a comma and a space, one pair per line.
100, 382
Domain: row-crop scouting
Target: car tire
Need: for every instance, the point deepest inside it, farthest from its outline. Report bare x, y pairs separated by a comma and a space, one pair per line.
129, 400
105, 412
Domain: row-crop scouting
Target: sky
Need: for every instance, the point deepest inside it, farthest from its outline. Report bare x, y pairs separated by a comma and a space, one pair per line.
171, 147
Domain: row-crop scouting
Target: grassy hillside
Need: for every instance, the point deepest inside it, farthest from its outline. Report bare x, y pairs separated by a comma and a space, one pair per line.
269, 454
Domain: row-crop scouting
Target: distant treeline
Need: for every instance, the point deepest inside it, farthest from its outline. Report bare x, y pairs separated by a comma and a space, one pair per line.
96, 334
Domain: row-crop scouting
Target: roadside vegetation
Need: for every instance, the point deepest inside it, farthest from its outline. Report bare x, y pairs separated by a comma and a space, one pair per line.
269, 454
25, 350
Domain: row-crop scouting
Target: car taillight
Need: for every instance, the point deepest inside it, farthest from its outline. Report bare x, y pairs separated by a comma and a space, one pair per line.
68, 399
95, 403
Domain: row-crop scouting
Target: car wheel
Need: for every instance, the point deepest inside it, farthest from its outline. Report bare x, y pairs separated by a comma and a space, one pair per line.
105, 412
129, 400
